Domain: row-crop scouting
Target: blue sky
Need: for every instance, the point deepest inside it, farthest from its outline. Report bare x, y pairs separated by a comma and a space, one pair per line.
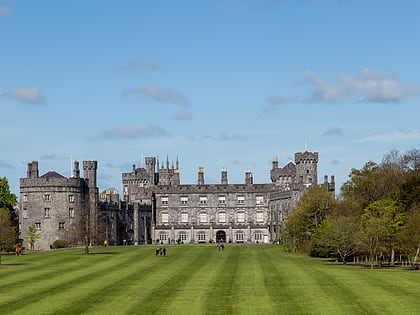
218, 83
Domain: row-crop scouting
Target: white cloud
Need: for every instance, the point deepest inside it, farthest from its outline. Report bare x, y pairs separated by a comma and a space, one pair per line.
30, 95
123, 132
162, 95
5, 10
371, 85
393, 136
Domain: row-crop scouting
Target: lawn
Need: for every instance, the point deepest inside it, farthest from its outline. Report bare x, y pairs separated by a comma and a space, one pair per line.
198, 279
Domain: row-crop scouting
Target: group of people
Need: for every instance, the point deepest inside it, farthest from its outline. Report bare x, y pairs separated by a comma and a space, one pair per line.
220, 246
160, 251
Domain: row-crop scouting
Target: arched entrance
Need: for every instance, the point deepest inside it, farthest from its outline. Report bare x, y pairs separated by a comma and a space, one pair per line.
221, 237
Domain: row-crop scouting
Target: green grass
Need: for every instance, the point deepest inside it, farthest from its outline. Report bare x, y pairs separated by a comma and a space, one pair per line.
194, 279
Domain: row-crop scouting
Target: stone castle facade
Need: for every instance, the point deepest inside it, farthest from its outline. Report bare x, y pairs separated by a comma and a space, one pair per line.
157, 208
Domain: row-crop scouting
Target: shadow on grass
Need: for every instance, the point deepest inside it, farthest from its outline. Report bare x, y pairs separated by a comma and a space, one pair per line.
12, 265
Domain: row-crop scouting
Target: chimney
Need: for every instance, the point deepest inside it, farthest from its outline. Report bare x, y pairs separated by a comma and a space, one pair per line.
201, 176
29, 171
325, 179
224, 180
275, 162
76, 170
248, 177
35, 172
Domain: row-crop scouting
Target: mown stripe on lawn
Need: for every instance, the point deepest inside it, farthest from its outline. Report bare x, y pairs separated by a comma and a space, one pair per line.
42, 291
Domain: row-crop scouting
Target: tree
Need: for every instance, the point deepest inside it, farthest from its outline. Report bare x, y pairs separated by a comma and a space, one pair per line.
308, 215
7, 231
7, 199
408, 237
33, 236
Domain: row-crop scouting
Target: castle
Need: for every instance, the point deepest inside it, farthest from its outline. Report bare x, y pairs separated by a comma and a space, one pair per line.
157, 208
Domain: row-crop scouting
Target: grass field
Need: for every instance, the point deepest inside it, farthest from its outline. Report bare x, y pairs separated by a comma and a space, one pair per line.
194, 279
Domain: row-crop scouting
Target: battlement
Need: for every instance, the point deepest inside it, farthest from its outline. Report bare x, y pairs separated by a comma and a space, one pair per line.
306, 157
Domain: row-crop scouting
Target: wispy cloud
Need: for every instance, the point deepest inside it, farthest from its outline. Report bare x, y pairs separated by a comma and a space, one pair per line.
5, 10
393, 136
123, 132
182, 116
52, 157
4, 164
333, 131
162, 95
30, 95
371, 85
138, 64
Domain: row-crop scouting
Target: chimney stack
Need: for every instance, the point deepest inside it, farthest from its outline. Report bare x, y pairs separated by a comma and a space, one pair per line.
201, 176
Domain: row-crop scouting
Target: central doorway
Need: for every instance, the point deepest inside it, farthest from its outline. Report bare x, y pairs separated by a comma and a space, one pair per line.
221, 237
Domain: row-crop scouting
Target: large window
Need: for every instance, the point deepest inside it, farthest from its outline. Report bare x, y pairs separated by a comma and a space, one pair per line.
47, 197
163, 236
201, 236
71, 198
202, 217
184, 217
241, 217
260, 217
61, 225
165, 217
239, 236
182, 236
25, 198
71, 213
259, 200
258, 236
47, 212
203, 200
222, 217
38, 226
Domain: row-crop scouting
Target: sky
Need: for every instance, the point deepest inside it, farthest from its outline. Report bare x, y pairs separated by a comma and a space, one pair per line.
216, 83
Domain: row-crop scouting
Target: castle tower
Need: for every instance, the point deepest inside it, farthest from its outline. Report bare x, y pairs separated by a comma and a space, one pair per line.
306, 168
151, 169
224, 180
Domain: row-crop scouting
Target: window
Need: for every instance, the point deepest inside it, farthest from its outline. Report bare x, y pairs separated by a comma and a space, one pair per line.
25, 198
241, 200
184, 217
241, 217
61, 225
202, 217
184, 201
239, 236
25, 213
258, 236
38, 226
260, 217
71, 198
182, 236
163, 236
47, 212
71, 213
203, 200
165, 217
164, 201
222, 217
47, 197
201, 236
222, 200
259, 200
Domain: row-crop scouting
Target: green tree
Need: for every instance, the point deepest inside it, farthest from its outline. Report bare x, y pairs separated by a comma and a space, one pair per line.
7, 231
7, 199
308, 215
408, 236
32, 236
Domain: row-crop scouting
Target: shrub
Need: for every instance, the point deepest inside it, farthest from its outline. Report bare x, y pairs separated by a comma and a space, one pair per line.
59, 244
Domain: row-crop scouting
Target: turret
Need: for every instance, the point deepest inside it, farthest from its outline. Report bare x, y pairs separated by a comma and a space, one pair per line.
89, 172
151, 169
